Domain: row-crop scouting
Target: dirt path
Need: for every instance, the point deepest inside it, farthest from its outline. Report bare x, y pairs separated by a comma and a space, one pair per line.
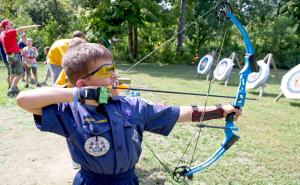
28, 156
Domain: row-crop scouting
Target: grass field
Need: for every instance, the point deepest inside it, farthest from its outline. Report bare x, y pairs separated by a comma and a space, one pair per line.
268, 151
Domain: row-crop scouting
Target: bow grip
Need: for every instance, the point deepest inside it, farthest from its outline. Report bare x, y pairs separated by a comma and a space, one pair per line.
230, 116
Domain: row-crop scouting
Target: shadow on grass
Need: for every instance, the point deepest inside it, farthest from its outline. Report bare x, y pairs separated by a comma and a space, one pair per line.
144, 176
264, 94
294, 104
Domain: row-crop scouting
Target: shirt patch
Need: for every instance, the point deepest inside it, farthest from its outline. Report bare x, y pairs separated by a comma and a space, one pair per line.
91, 119
97, 146
159, 104
128, 112
135, 136
147, 101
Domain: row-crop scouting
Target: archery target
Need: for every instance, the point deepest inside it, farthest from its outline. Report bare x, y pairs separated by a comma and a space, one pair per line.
256, 80
290, 84
205, 64
223, 69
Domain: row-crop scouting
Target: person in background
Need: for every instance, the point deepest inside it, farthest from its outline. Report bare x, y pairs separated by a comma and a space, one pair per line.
8, 39
21, 45
56, 52
3, 56
48, 72
30, 54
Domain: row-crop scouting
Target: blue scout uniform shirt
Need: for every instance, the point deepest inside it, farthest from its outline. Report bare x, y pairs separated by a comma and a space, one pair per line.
117, 126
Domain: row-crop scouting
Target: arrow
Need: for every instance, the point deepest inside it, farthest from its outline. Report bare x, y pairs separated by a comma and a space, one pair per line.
122, 88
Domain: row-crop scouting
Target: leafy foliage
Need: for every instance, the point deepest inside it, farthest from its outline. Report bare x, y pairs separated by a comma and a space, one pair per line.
273, 27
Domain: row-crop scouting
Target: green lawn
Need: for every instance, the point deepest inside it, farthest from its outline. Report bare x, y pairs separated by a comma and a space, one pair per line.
268, 151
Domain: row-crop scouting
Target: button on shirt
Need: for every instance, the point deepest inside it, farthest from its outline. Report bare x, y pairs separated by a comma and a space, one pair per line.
121, 122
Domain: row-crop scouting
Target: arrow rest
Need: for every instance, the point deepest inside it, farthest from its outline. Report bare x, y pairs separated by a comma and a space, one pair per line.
179, 174
221, 11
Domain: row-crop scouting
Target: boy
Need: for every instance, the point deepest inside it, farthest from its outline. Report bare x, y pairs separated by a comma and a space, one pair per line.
48, 73
21, 45
100, 137
30, 54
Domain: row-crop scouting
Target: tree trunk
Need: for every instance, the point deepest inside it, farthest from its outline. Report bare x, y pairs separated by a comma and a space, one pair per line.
58, 18
42, 17
181, 24
130, 40
36, 12
278, 8
135, 43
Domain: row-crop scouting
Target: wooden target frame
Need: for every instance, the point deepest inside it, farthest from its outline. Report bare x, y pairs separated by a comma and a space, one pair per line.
214, 56
233, 57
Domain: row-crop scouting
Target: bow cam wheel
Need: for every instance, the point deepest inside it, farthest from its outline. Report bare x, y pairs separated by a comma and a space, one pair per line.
221, 11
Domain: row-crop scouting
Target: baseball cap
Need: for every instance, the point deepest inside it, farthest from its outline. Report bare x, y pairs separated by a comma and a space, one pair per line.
22, 33
3, 23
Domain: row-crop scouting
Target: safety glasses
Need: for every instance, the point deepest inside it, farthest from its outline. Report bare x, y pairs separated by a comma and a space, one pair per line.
103, 71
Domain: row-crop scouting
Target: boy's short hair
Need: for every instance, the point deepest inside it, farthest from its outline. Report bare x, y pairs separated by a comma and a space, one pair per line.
79, 58
47, 49
30, 39
78, 34
75, 41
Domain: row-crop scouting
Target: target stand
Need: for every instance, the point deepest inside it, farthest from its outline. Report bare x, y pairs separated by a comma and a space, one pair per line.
256, 80
223, 70
205, 64
290, 85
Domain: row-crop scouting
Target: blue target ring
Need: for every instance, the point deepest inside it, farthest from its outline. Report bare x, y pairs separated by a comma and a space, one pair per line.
222, 68
293, 83
203, 63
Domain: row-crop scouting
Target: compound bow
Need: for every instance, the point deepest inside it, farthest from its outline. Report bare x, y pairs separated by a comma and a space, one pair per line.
181, 172
223, 13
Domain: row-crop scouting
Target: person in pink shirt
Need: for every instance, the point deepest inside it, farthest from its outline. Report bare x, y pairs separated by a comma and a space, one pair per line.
30, 54
8, 40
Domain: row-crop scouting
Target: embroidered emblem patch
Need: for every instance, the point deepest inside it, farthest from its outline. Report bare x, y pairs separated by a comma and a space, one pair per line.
147, 101
161, 105
97, 146
128, 112
135, 136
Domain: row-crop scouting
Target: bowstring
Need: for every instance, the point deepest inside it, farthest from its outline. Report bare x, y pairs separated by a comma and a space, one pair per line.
210, 82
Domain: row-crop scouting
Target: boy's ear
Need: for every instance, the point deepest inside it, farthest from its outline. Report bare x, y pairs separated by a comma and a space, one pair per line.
81, 83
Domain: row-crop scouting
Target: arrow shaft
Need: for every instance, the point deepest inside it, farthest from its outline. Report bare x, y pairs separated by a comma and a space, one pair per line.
174, 92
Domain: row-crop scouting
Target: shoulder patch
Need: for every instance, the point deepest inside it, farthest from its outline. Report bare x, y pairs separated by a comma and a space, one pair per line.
148, 102
161, 105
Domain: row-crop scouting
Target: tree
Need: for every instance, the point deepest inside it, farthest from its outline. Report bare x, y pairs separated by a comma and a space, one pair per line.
58, 18
181, 25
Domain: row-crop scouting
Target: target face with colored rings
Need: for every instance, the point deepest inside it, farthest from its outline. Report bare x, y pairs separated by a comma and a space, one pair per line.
205, 64
290, 84
253, 77
222, 68
256, 80
293, 84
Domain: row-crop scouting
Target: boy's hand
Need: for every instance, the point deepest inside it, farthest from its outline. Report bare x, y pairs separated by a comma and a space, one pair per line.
229, 109
45, 62
36, 26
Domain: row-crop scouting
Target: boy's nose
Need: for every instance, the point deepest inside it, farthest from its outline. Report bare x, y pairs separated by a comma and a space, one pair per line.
113, 75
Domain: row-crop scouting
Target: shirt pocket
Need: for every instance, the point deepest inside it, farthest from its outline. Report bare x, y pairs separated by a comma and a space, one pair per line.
98, 139
133, 139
